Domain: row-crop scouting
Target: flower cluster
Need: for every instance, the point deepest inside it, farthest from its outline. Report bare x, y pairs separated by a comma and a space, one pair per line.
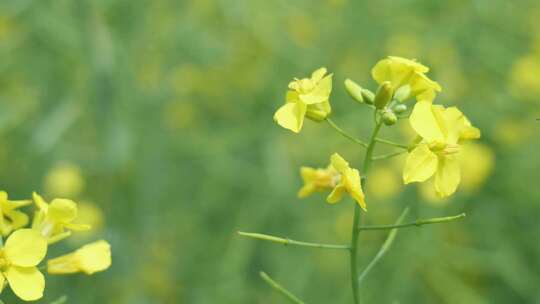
434, 152
26, 247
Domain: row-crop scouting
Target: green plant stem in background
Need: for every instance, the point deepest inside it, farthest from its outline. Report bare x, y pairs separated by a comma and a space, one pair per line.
387, 156
286, 241
391, 143
61, 300
356, 219
345, 134
417, 223
384, 248
280, 288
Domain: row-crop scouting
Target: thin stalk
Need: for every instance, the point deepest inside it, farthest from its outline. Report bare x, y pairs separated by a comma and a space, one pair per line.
345, 134
387, 156
384, 248
417, 223
286, 241
356, 220
391, 143
276, 286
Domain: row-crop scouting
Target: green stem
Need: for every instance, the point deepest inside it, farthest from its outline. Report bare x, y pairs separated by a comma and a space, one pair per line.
384, 248
286, 241
391, 143
345, 134
417, 223
275, 285
387, 156
356, 220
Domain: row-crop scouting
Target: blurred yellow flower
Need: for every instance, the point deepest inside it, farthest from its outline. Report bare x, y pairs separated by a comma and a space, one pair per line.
441, 130
384, 183
89, 259
23, 251
53, 219
524, 80
477, 161
64, 180
306, 97
338, 177
512, 132
10, 218
90, 214
407, 78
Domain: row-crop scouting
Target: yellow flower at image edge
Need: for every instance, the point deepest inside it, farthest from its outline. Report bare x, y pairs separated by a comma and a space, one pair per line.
23, 251
89, 259
441, 131
339, 177
53, 219
11, 219
407, 78
306, 97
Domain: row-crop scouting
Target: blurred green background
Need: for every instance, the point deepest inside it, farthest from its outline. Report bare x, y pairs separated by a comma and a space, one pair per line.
157, 115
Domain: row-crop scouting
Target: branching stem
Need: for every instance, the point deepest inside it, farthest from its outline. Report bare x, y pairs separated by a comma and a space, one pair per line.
276, 286
384, 248
345, 134
417, 223
286, 241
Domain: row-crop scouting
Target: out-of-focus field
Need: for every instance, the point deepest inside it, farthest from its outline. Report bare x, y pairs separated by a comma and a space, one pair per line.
157, 115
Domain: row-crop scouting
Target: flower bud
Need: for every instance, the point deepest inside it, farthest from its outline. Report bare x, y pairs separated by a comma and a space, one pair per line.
368, 96
316, 115
384, 95
354, 90
399, 108
389, 118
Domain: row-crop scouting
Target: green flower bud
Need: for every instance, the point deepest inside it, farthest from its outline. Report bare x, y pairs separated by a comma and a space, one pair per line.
384, 95
399, 108
354, 90
368, 96
389, 118
316, 115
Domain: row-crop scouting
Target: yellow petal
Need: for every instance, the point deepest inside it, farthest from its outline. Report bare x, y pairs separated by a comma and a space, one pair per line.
95, 257
417, 66
291, 96
354, 187
420, 165
89, 259
424, 121
339, 163
18, 218
25, 248
2, 282
320, 93
291, 116
337, 194
318, 74
62, 210
447, 177
26, 282
40, 202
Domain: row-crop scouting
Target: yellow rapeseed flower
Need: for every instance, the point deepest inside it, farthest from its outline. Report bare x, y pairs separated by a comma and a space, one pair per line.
10, 218
436, 154
55, 220
407, 77
64, 180
306, 97
89, 259
23, 251
338, 177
